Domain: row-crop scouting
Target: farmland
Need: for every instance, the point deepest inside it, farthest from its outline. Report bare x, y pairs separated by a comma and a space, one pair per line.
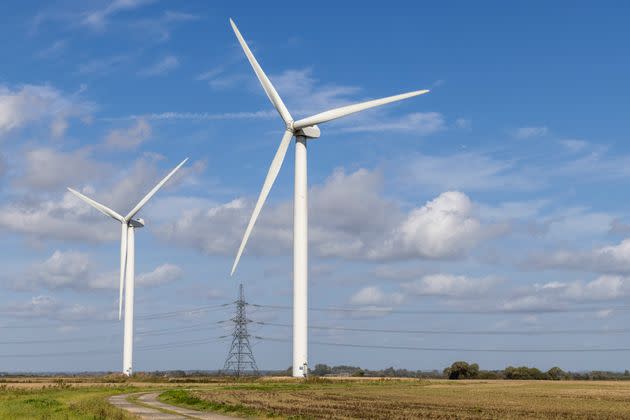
328, 398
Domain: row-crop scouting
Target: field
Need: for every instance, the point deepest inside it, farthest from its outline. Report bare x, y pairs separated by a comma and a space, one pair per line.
343, 399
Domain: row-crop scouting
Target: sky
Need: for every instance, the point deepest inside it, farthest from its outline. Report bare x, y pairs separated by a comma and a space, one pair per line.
485, 221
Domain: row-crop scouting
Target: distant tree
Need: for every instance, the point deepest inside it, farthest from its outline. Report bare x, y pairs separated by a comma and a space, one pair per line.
556, 374
321, 370
462, 370
523, 372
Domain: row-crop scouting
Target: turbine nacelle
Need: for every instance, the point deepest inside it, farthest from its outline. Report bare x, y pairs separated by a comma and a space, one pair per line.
312, 132
136, 223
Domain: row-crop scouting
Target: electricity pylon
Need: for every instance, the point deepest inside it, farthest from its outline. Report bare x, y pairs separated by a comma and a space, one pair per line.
240, 358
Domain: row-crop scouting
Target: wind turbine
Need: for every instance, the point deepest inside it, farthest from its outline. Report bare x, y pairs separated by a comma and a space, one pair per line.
303, 130
127, 260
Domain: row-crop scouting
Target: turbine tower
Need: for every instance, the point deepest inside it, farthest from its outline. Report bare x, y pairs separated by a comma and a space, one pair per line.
127, 261
303, 130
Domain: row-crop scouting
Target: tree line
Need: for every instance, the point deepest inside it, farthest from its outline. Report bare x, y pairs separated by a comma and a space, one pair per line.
465, 370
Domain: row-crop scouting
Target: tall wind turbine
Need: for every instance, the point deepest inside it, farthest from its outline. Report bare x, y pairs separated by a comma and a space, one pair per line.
127, 260
303, 129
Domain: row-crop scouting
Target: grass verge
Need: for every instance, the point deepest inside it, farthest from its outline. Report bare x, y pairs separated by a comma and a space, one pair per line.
61, 402
186, 398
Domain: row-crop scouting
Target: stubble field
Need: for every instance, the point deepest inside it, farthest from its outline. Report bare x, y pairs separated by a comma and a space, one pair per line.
405, 399
340, 399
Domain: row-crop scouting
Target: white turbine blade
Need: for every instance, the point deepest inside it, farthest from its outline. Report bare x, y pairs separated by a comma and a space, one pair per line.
153, 191
123, 266
276, 164
262, 77
333, 114
98, 206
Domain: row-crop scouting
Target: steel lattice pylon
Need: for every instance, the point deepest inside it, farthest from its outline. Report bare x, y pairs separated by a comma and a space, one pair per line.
240, 358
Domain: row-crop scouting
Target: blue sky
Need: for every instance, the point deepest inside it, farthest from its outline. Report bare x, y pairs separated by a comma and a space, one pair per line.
502, 191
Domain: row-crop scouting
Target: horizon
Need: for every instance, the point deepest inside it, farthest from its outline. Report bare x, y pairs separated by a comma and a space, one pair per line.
492, 206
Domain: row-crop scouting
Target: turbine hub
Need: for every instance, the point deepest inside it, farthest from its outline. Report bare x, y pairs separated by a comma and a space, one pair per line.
290, 126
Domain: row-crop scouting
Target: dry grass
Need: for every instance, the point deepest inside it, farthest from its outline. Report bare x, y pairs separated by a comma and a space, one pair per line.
421, 399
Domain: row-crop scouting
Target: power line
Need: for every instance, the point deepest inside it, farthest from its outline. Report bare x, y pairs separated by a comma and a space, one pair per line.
383, 310
141, 333
458, 332
461, 349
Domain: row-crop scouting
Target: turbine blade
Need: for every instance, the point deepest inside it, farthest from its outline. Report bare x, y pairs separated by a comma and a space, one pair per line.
123, 266
333, 114
276, 164
98, 206
262, 77
152, 192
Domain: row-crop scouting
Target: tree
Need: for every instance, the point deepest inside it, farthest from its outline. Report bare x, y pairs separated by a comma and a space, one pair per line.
462, 370
556, 374
321, 370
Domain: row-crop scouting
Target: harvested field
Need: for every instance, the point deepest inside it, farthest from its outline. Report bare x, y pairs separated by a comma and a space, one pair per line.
391, 399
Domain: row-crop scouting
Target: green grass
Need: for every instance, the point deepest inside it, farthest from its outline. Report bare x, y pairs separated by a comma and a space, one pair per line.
185, 398
61, 402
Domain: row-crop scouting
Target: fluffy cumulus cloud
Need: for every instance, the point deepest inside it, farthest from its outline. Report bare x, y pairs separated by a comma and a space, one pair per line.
131, 137
74, 270
349, 218
443, 228
39, 103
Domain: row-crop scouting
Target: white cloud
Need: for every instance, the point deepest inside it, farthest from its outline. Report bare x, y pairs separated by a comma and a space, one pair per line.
530, 132
448, 285
443, 228
349, 219
204, 116
48, 307
47, 168
165, 273
163, 66
606, 259
373, 295
420, 123
69, 218
574, 145
74, 270
559, 295
38, 104
98, 18
131, 137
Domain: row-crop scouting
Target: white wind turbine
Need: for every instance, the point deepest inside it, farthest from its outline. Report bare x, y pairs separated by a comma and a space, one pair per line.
303, 129
127, 260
